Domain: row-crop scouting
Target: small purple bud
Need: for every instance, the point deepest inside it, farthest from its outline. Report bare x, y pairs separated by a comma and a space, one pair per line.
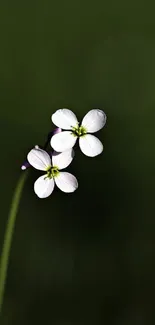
25, 165
57, 130
50, 153
50, 135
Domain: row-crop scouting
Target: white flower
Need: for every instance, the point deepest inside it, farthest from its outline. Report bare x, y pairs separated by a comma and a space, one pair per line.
92, 122
44, 185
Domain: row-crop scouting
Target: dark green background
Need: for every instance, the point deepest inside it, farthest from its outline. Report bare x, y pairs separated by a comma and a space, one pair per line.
88, 257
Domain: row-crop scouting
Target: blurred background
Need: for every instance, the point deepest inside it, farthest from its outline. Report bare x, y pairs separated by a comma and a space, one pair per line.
87, 257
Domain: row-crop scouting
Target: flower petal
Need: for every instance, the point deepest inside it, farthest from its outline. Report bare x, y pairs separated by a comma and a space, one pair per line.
94, 120
90, 145
64, 118
44, 186
39, 159
63, 159
66, 182
63, 141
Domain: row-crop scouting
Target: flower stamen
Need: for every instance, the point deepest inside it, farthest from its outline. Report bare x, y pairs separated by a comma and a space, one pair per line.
52, 172
79, 131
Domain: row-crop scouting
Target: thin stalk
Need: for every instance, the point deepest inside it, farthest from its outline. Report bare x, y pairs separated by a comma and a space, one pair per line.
4, 260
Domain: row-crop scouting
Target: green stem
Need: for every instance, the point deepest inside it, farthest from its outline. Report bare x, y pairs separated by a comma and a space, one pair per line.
4, 260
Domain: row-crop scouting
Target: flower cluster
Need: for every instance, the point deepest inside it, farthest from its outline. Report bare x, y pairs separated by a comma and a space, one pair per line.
62, 141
